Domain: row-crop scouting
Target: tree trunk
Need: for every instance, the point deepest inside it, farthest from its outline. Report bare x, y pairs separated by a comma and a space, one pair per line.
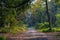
48, 15
1, 17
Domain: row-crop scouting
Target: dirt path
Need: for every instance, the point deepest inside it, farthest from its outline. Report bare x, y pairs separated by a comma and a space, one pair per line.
35, 36
32, 35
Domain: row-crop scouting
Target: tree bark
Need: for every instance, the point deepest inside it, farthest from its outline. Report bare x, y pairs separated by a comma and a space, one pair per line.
48, 15
1, 17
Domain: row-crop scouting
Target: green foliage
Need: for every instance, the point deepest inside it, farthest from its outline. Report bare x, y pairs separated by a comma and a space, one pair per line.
10, 10
54, 29
12, 18
13, 29
2, 38
57, 20
57, 2
42, 25
46, 30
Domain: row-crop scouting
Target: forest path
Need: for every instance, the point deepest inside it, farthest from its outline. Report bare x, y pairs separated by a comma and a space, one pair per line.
32, 34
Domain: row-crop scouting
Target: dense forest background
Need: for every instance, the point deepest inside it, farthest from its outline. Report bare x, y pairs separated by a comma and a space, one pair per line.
18, 15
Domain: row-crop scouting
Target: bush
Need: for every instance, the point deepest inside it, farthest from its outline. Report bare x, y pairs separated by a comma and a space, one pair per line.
41, 25
44, 30
4, 29
57, 20
13, 29
47, 30
2, 38
55, 29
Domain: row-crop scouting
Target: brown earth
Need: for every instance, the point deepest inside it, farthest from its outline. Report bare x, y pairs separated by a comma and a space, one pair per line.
32, 36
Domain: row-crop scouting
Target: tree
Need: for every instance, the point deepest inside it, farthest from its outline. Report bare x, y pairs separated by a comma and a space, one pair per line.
48, 15
9, 9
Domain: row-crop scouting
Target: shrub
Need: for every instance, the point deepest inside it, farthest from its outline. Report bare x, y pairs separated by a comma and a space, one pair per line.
44, 30
2, 38
41, 25
55, 29
47, 30
13, 29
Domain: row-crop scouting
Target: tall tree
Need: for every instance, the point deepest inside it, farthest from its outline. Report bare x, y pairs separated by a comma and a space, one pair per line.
48, 15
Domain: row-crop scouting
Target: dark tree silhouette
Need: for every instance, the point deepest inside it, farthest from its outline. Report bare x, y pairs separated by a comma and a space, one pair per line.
48, 15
